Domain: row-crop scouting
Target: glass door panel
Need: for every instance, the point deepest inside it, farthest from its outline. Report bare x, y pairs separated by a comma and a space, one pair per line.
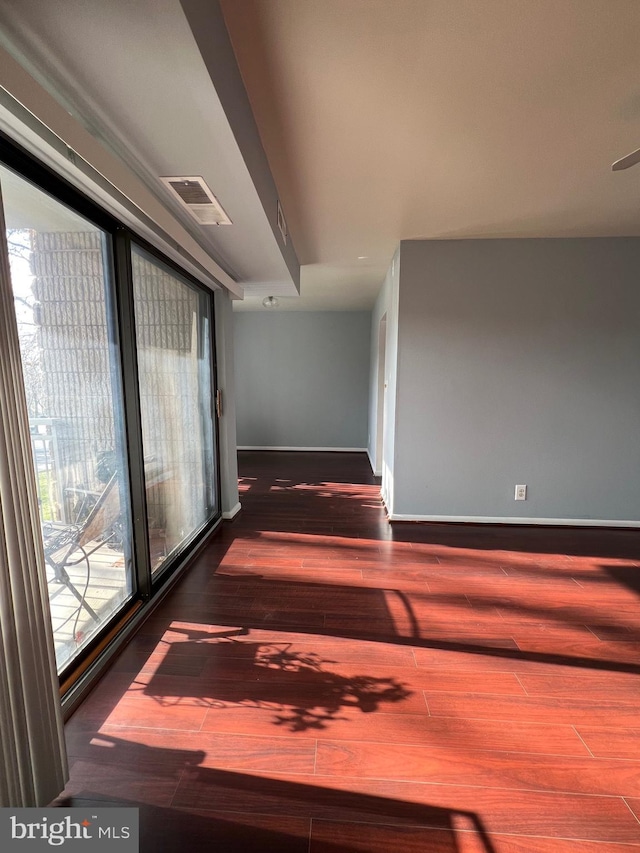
172, 320
60, 271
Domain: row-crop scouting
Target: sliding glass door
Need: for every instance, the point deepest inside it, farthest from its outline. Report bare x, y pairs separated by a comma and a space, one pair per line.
117, 361
62, 283
172, 323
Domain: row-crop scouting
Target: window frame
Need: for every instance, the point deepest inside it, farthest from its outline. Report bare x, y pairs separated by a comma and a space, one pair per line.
77, 677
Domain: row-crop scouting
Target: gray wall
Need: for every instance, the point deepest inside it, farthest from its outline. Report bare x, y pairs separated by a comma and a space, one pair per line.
519, 362
302, 378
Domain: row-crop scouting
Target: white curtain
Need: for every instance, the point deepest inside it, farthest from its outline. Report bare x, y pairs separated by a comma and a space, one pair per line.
32, 752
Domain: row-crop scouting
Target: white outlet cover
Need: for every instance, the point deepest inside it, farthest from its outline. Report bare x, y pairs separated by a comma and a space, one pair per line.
521, 493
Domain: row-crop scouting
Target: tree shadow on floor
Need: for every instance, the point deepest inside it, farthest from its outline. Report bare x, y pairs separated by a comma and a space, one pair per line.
298, 687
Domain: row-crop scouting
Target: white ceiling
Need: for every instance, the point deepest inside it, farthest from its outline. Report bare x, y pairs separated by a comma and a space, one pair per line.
382, 120
396, 119
131, 72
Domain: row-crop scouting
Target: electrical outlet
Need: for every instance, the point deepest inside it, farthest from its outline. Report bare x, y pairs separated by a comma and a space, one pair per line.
521, 493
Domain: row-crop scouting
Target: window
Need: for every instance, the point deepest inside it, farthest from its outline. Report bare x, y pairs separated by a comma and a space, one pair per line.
60, 272
172, 324
91, 428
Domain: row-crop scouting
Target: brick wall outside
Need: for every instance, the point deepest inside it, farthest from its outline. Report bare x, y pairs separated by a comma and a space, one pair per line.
80, 371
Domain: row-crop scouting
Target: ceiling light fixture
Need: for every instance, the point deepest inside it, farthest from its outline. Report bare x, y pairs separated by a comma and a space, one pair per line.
270, 302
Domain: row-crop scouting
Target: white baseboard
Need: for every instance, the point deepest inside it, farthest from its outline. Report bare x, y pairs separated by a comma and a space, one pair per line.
307, 449
233, 511
488, 519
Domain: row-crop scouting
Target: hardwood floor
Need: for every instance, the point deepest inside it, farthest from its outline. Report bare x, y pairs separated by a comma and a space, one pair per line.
323, 681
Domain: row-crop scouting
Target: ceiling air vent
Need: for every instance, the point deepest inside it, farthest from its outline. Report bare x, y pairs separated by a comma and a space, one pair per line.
196, 197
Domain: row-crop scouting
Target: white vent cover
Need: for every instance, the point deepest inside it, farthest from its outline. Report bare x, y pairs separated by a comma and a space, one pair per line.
196, 197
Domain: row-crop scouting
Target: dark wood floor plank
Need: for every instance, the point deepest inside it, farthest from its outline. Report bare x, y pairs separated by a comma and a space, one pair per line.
328, 691
132, 746
567, 816
634, 805
294, 668
386, 728
609, 742
583, 685
589, 650
472, 843
547, 658
455, 766
331, 836
541, 709
152, 784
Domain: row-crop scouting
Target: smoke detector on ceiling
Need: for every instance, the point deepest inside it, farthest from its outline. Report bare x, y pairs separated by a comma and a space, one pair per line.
195, 196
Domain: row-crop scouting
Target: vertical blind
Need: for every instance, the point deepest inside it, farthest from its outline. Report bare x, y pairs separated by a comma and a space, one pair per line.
32, 748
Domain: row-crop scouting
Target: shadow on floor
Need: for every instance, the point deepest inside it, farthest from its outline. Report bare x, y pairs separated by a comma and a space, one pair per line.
299, 687
229, 811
